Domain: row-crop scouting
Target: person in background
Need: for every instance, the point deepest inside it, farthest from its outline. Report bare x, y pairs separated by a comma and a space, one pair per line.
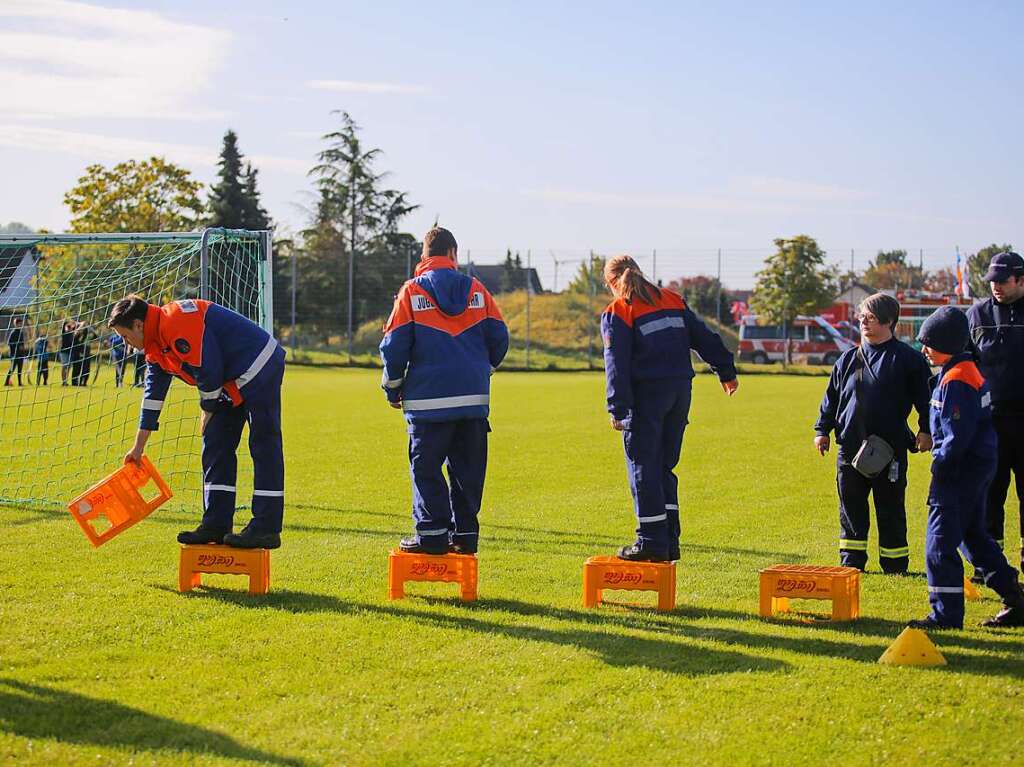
442, 342
997, 342
118, 355
67, 342
139, 361
41, 355
963, 463
648, 334
16, 349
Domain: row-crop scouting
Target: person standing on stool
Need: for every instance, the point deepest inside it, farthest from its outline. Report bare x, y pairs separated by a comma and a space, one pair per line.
238, 368
997, 340
444, 338
963, 463
870, 393
648, 333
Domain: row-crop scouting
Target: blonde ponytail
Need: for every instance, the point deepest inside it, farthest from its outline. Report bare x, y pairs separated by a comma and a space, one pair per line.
623, 277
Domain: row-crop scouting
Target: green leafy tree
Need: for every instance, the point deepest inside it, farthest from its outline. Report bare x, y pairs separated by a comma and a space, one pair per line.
892, 270
234, 201
702, 295
148, 196
794, 281
16, 227
977, 265
356, 218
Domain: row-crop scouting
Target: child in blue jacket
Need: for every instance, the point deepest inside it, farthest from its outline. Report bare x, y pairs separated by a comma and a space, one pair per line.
963, 463
648, 334
444, 338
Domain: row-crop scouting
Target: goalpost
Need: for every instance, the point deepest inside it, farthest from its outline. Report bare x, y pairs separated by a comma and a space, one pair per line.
59, 438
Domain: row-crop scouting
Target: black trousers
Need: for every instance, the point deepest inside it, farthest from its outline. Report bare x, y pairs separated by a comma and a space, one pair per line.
890, 512
1010, 446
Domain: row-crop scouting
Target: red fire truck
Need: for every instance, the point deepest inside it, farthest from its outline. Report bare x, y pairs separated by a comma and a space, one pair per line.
812, 340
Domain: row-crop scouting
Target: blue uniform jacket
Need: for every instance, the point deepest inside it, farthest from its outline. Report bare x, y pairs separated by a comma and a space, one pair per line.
900, 382
997, 340
644, 342
444, 338
963, 439
228, 357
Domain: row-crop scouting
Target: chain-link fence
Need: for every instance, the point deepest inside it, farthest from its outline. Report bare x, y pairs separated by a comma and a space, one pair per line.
551, 298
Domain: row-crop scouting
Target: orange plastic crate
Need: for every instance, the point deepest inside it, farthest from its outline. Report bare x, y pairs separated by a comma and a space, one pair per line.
116, 503
601, 573
210, 558
781, 583
447, 568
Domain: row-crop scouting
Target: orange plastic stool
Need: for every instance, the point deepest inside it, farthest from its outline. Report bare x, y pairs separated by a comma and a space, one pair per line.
600, 573
781, 583
210, 558
118, 500
447, 568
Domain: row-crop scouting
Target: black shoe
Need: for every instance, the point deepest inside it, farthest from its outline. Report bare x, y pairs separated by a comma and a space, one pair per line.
202, 535
1008, 617
673, 553
929, 624
414, 545
251, 538
640, 553
462, 548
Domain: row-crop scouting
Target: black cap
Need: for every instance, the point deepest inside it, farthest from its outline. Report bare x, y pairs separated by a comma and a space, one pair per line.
946, 331
1004, 266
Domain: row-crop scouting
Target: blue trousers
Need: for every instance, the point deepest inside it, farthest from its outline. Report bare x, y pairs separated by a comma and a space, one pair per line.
653, 443
956, 522
220, 463
437, 509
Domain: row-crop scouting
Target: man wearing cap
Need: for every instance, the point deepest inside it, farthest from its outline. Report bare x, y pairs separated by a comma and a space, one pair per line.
997, 341
963, 462
871, 392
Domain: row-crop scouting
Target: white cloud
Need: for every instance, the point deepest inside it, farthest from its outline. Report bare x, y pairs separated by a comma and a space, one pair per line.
72, 59
790, 189
98, 148
353, 86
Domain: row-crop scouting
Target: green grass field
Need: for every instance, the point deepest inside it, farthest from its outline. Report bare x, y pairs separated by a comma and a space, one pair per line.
103, 662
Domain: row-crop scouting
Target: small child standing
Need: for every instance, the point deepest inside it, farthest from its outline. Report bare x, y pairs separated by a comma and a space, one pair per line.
963, 464
41, 354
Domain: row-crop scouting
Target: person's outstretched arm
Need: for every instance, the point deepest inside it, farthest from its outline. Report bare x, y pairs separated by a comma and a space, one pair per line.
154, 393
709, 345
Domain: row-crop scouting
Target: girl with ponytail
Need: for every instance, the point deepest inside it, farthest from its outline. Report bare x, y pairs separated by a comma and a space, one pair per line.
648, 334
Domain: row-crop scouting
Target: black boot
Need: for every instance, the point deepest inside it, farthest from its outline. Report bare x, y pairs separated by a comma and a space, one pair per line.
202, 535
463, 544
251, 538
929, 624
641, 552
1012, 614
414, 544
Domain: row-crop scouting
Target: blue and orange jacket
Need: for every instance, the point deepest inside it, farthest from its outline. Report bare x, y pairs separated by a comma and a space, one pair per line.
644, 342
226, 356
444, 338
963, 438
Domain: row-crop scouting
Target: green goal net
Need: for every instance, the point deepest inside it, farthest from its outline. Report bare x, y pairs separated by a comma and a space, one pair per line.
70, 404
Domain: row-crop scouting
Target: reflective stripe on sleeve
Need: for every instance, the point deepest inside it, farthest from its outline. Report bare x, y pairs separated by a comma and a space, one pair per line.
440, 403
391, 383
257, 364
210, 394
153, 404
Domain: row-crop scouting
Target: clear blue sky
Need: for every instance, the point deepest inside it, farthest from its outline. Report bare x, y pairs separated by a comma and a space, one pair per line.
552, 127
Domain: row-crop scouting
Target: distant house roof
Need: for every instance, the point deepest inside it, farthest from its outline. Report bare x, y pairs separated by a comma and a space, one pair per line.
17, 271
492, 276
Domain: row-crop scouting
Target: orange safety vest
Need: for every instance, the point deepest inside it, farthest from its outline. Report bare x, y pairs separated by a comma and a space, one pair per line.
173, 336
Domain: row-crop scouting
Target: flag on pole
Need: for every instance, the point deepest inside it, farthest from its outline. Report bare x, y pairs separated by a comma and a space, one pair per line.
959, 289
967, 279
